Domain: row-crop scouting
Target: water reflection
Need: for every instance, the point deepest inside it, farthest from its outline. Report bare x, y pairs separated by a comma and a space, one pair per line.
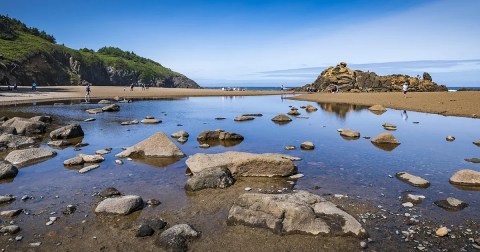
341, 109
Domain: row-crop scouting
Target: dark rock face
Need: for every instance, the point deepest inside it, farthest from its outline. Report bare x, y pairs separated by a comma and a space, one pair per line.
347, 80
7, 171
69, 131
451, 204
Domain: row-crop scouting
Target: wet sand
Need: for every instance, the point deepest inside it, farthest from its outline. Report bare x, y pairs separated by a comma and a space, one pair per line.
465, 104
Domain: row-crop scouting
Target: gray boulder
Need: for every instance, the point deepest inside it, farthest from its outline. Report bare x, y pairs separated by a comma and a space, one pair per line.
69, 131
111, 108
7, 171
209, 135
25, 126
29, 156
210, 178
11, 141
158, 145
244, 164
177, 237
122, 205
59, 143
296, 212
466, 177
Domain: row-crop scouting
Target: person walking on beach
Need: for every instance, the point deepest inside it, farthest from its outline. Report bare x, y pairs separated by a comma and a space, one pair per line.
131, 87
87, 94
34, 86
405, 89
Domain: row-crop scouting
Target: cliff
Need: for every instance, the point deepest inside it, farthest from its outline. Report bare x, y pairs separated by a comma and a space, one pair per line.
349, 80
28, 55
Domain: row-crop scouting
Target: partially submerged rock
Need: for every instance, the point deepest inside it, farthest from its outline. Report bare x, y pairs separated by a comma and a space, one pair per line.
7, 171
6, 198
66, 132
59, 143
150, 121
104, 102
257, 115
42, 118
413, 180
416, 199
111, 108
282, 118
244, 164
473, 160
213, 137
29, 156
385, 141
88, 168
296, 212
177, 237
293, 112
307, 146
389, 126
25, 126
466, 177
310, 108
10, 141
243, 118
451, 204
350, 133
477, 143
210, 178
450, 138
10, 213
158, 145
94, 110
122, 205
377, 108
181, 133
10, 229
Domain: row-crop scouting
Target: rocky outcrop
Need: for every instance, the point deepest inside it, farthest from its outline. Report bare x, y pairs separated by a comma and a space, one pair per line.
29, 156
244, 164
122, 205
158, 145
298, 212
69, 131
343, 78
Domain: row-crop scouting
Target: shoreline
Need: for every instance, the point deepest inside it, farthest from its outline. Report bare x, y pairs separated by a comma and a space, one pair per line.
463, 104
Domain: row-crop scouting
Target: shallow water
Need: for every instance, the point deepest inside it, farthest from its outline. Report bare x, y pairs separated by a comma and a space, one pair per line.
336, 165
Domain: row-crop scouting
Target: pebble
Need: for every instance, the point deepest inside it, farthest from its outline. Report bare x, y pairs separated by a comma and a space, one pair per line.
118, 162
26, 197
363, 244
248, 188
35, 244
407, 204
18, 238
52, 220
442, 231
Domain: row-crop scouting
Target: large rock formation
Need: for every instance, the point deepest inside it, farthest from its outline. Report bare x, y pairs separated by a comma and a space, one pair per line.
347, 79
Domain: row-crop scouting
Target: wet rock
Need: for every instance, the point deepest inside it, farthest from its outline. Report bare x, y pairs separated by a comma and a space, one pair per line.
42, 118
10, 213
51, 220
155, 223
450, 138
220, 118
144, 230
296, 212
244, 164
111, 108
94, 111
7, 171
149, 117
477, 143
153, 202
307, 146
385, 138
69, 131
208, 135
182, 139
210, 178
297, 176
118, 162
177, 237
122, 205
441, 232
104, 102
7, 130
466, 177
73, 161
350, 133
389, 126
473, 160
91, 158
25, 126
102, 152
310, 108
416, 199
70, 209
451, 204
181, 133
35, 244
407, 204
257, 115
6, 198
110, 192
243, 118
282, 118
413, 180
10, 229
59, 143
29, 156
158, 145
126, 123
18, 238
377, 108
11, 141
80, 145
367, 137
150, 121
293, 112
289, 147
204, 146
89, 119
88, 168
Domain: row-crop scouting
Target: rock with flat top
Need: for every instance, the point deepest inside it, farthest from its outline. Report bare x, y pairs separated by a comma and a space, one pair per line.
158, 145
29, 156
92, 158
88, 168
377, 108
244, 164
150, 121
307, 146
243, 118
293, 213
466, 177
350, 133
7, 171
413, 180
111, 108
73, 161
212, 135
94, 110
59, 143
389, 126
67, 132
104, 102
122, 205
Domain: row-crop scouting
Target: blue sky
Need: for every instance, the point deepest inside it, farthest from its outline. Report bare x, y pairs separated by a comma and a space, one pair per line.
246, 42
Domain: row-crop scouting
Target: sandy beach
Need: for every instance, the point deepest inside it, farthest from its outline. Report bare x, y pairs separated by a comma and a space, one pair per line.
465, 104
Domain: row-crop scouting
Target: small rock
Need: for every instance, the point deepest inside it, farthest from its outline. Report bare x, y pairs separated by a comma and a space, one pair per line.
181, 133
89, 119
11, 229
307, 146
363, 245
150, 121
377, 108
7, 171
89, 168
10, 213
177, 237
144, 230
220, 118
441, 232
118, 162
122, 205
18, 238
389, 126
205, 146
102, 152
477, 143
182, 139
110, 192
473, 160
51, 221
450, 138
153, 202
466, 177
414, 198
6, 198
297, 176
407, 204
35, 244
290, 147
413, 180
451, 204
248, 189
243, 118
70, 209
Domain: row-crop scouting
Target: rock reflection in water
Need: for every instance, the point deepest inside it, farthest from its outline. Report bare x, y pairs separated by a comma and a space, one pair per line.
224, 143
386, 147
340, 109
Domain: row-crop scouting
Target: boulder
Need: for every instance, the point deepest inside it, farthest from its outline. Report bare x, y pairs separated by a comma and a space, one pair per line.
73, 161
350, 133
385, 138
466, 177
210, 178
243, 118
94, 111
296, 212
451, 204
209, 135
177, 237
25, 126
29, 156
377, 108
150, 121
310, 108
104, 102
181, 133
122, 205
59, 143
477, 143
42, 118
282, 118
473, 160
389, 126
307, 145
244, 164
7, 130
10, 141
67, 132
110, 192
7, 171
413, 180
158, 145
111, 108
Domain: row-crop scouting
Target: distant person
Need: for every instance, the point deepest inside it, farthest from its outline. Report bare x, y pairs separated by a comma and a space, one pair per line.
34, 86
15, 87
143, 87
404, 115
282, 88
87, 93
405, 89
131, 87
